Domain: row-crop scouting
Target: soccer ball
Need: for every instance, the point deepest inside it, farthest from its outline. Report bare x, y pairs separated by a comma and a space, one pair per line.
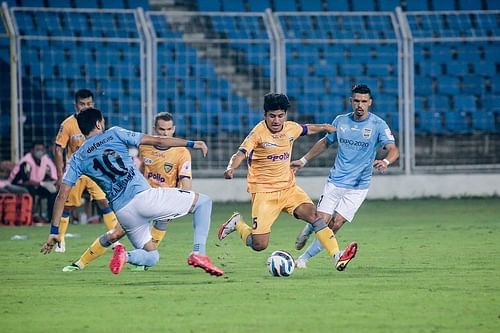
280, 263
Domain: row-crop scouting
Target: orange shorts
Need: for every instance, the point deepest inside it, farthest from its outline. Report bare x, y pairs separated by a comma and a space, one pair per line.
84, 182
267, 206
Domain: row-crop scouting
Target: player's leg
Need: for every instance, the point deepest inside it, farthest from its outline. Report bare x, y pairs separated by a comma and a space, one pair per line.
159, 230
202, 212
96, 249
108, 216
73, 201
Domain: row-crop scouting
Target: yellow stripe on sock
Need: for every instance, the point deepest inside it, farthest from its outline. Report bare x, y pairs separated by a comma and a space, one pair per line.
328, 240
92, 253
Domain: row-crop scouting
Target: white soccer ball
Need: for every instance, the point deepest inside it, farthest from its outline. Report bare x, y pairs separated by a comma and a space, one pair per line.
280, 263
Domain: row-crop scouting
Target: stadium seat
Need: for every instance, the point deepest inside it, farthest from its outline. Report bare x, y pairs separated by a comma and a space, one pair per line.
465, 103
259, 5
338, 5
448, 85
363, 5
443, 4
33, 3
311, 5
429, 122
457, 122
209, 6
389, 5
417, 6
483, 121
284, 6
469, 5
473, 85
233, 5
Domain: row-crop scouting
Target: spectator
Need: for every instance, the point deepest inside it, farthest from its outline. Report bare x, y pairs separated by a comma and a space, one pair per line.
37, 173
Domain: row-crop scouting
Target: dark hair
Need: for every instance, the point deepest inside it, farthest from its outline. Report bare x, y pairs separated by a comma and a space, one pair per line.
361, 89
275, 101
166, 116
87, 118
82, 94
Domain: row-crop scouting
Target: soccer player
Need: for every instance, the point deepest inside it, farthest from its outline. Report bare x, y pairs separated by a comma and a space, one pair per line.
162, 167
359, 134
104, 158
68, 140
271, 181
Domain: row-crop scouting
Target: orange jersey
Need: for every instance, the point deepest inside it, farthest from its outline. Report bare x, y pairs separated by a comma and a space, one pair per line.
165, 167
269, 156
69, 136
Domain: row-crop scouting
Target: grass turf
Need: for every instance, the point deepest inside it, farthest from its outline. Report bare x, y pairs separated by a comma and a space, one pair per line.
422, 266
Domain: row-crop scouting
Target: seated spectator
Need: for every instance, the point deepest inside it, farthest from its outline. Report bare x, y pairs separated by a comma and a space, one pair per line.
37, 173
5, 185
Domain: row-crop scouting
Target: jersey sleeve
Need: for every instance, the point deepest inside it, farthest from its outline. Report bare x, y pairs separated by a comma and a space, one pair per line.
332, 137
128, 137
385, 134
250, 142
73, 172
62, 136
184, 165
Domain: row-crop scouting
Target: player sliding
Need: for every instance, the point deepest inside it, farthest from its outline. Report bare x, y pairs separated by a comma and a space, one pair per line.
271, 181
360, 134
104, 158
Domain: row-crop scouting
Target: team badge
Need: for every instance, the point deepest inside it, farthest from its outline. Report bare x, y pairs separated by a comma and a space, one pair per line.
367, 133
167, 167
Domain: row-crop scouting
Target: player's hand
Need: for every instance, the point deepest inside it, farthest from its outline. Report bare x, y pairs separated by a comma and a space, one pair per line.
380, 165
296, 165
228, 174
49, 245
201, 145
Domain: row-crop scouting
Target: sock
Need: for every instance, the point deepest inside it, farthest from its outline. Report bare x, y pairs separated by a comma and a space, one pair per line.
63, 225
245, 232
158, 231
201, 223
325, 236
97, 249
109, 218
308, 229
140, 257
312, 250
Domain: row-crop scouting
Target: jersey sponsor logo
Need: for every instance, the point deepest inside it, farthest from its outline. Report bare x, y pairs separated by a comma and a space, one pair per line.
278, 136
168, 167
156, 176
148, 161
268, 144
388, 133
354, 144
281, 157
367, 132
97, 144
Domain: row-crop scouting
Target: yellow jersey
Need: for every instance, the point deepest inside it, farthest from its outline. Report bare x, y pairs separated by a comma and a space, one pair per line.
69, 136
164, 167
269, 156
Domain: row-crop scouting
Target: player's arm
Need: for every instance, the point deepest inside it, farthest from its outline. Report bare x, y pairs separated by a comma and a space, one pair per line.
185, 183
152, 140
320, 146
318, 128
392, 156
233, 164
57, 212
59, 160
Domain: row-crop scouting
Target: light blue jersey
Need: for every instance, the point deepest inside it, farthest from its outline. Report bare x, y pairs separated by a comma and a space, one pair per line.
105, 159
358, 142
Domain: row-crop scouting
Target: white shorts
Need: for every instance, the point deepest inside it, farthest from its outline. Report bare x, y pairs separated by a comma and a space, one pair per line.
344, 201
152, 204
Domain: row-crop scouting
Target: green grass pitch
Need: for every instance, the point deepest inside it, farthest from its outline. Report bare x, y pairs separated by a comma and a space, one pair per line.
422, 266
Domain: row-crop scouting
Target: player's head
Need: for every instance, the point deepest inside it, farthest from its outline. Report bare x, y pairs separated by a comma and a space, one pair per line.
90, 119
38, 150
164, 124
83, 99
361, 100
275, 108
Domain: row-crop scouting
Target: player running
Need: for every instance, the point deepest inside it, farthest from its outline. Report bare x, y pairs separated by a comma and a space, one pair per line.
359, 135
104, 158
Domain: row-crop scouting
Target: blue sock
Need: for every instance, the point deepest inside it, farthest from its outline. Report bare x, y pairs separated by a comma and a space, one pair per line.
142, 257
313, 249
202, 213
308, 229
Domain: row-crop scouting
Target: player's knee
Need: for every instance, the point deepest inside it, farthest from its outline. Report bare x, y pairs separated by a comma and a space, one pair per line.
115, 235
259, 246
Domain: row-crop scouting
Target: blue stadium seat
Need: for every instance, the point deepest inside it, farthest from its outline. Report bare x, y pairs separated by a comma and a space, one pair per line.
421, 104
457, 122
423, 85
391, 119
133, 4
429, 122
113, 4
87, 4
485, 68
284, 6
389, 5
59, 3
448, 85
465, 103
233, 5
493, 5
363, 5
338, 5
483, 121
33, 3
473, 85
457, 68
469, 5
259, 5
443, 4
231, 122
311, 5
416, 5
209, 6
180, 124
439, 103
378, 69
314, 86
